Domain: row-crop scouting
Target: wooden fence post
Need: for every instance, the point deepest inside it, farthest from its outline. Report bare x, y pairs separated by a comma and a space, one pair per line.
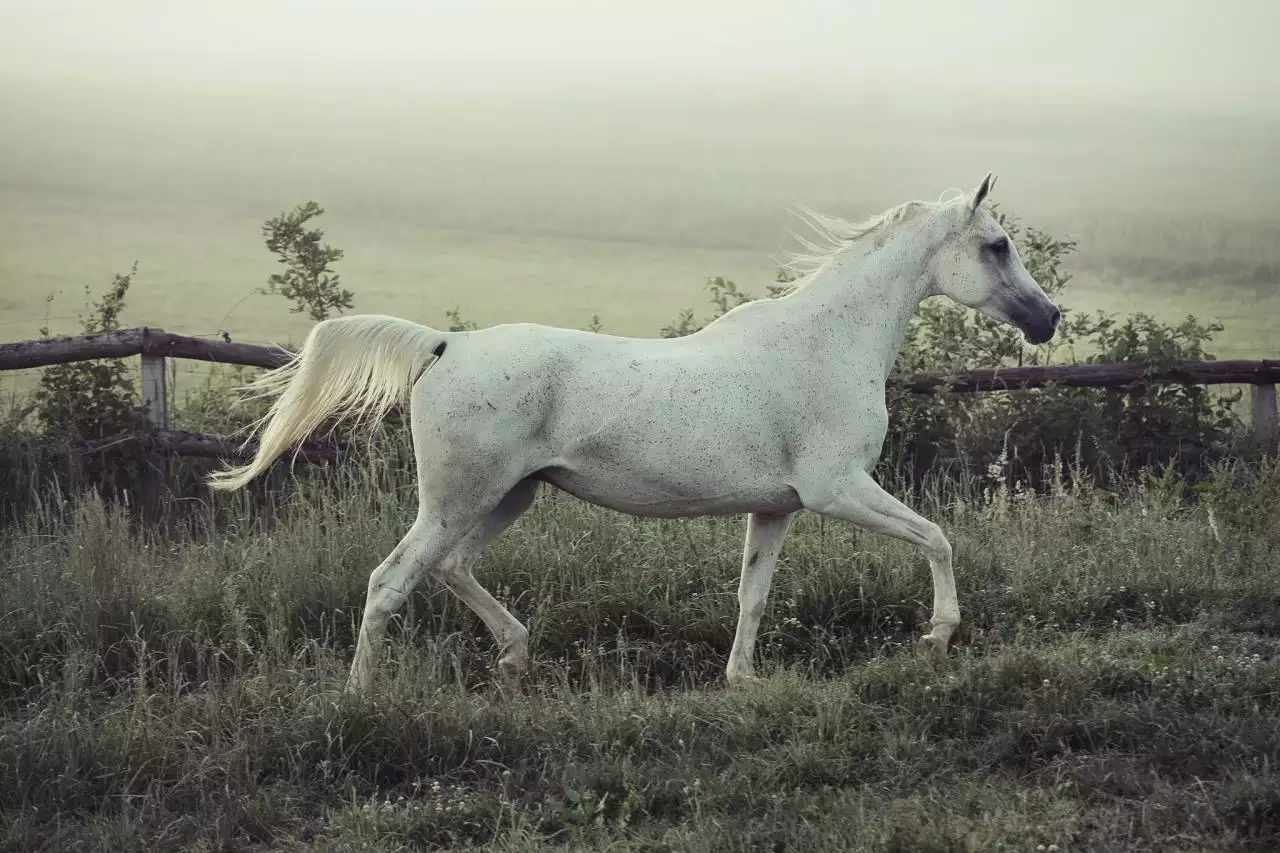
155, 391
1266, 424
155, 399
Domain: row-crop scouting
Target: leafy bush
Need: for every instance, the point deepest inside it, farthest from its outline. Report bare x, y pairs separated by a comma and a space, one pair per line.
90, 399
215, 406
79, 408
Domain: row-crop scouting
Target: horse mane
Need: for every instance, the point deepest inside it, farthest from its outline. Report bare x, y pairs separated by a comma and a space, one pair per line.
834, 235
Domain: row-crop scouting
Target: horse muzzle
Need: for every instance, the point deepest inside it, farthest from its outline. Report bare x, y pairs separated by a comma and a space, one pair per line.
1038, 323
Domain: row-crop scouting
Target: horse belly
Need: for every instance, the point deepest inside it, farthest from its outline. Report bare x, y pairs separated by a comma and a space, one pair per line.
634, 494
669, 438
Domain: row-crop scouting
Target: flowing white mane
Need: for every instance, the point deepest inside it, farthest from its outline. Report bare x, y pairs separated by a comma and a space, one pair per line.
834, 235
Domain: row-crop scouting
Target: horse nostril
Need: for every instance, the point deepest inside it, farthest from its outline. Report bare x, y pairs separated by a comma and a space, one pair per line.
1054, 318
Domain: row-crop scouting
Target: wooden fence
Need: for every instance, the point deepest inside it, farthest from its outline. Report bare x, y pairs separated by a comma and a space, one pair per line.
156, 345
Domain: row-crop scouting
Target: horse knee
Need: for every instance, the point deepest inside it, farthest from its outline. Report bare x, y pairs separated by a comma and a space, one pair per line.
936, 545
383, 602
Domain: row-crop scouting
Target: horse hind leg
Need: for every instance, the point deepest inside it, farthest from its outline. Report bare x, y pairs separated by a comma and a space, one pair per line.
445, 550
428, 541
455, 573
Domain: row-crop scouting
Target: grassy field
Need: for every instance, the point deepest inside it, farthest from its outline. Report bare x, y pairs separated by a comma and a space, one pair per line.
1114, 686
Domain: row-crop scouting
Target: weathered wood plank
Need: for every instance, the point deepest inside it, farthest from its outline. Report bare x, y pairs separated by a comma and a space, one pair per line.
155, 392
211, 446
217, 447
40, 353
159, 342
1266, 421
129, 342
49, 351
1237, 372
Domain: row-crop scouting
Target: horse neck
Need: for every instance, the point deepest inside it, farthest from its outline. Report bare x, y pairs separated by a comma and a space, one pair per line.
862, 304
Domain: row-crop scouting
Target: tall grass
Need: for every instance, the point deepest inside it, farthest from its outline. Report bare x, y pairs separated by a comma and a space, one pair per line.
1113, 687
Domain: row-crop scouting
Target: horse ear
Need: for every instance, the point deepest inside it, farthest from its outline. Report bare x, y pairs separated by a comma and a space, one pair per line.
981, 193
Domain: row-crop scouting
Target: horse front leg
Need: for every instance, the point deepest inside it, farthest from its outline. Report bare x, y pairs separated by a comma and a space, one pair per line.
860, 500
765, 533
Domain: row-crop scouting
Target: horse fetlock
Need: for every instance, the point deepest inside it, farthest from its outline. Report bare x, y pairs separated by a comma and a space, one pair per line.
947, 620
513, 655
739, 671
514, 664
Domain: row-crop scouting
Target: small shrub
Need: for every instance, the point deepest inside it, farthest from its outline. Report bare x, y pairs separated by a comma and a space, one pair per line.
90, 399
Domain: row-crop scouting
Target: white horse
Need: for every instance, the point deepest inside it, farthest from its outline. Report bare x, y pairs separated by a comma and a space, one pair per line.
777, 406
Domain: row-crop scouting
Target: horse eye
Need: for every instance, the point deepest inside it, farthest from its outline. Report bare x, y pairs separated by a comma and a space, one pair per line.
1000, 247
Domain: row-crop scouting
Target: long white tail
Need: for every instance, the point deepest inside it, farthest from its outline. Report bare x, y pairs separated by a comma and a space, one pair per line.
361, 365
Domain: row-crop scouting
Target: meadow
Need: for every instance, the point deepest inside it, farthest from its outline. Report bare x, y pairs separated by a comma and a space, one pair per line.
1113, 686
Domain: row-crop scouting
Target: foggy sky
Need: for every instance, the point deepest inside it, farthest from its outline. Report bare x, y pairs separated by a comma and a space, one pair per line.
1168, 52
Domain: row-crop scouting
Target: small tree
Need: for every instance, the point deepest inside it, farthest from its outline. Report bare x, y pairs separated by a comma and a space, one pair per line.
308, 280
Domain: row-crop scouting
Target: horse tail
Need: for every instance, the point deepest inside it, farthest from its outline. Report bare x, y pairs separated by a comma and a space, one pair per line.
362, 366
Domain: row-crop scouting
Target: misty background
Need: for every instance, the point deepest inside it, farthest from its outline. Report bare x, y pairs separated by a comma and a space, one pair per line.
555, 160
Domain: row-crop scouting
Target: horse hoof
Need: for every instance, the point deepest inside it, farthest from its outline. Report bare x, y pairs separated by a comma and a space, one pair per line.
512, 668
355, 687
934, 646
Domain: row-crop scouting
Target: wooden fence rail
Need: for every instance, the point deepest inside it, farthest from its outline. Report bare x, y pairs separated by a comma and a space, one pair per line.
157, 345
130, 342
